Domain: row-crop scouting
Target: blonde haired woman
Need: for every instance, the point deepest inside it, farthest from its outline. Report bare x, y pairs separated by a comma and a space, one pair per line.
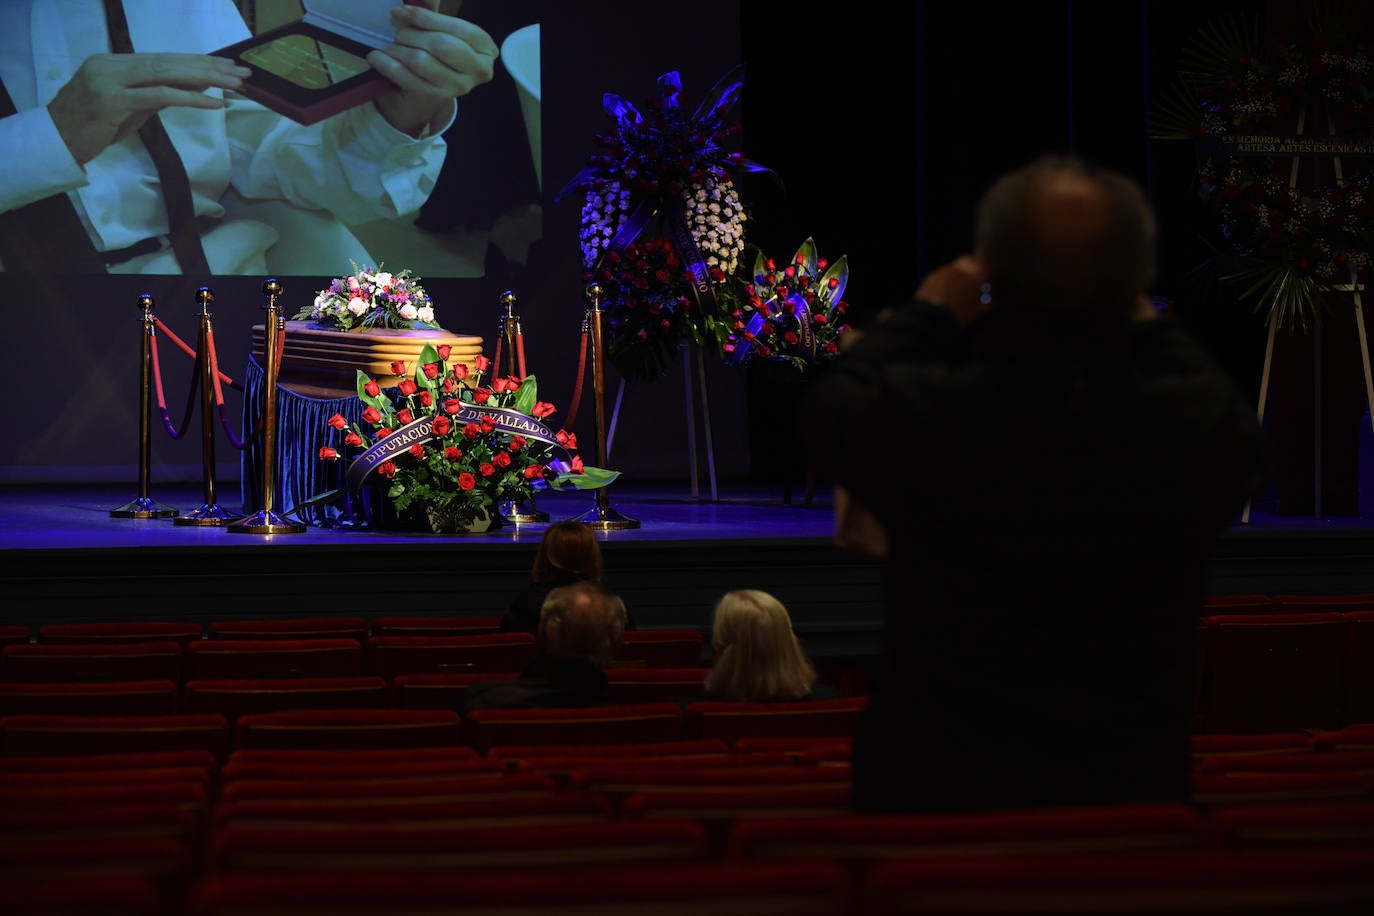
757, 656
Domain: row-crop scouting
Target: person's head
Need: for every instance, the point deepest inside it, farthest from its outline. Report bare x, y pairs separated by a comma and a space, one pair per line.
567, 552
582, 620
757, 656
1060, 238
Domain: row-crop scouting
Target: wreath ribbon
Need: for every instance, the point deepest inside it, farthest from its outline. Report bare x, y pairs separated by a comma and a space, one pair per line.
806, 333
507, 420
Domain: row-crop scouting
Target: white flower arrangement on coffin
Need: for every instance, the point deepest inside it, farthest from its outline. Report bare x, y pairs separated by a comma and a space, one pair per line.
371, 298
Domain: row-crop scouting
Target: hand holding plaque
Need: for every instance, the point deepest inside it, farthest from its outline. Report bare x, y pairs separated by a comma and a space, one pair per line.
408, 57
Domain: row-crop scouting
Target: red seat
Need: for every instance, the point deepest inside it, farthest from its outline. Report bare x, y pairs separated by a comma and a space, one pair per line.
14, 634
347, 627
435, 691
39, 663
1350, 823
655, 685
475, 812
249, 659
1210, 789
663, 648
69, 735
859, 840
1358, 706
348, 728
374, 790
1308, 604
502, 653
607, 842
121, 632
718, 888
435, 626
1196, 882
393, 767
1349, 738
107, 698
623, 724
1216, 745
618, 781
1273, 672
730, 721
235, 697
1249, 603
107, 895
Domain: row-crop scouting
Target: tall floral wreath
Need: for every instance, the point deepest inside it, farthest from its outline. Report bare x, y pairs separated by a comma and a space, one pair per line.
663, 223
1285, 153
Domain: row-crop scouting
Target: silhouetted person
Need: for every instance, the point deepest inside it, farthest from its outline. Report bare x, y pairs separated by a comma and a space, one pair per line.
1050, 463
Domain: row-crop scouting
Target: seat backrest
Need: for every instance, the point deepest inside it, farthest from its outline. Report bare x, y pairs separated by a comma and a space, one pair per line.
435, 626
715, 887
1273, 672
73, 735
614, 724
663, 648
348, 728
655, 685
121, 631
503, 653
1358, 706
345, 627
248, 659
731, 721
103, 698
238, 697
51, 663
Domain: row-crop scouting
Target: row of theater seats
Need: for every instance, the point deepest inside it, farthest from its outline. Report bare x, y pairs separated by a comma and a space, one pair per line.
750, 826
1269, 663
1265, 662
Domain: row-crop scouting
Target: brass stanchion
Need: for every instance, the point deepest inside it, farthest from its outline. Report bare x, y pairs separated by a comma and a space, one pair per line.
144, 506
265, 521
601, 516
209, 512
517, 511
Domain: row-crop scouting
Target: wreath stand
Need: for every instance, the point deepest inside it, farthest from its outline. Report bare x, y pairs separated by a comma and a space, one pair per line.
1354, 287
690, 354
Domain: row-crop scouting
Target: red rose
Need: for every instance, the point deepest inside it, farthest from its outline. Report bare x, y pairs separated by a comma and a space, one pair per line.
337, 421
408, 387
372, 388
453, 405
577, 465
372, 415
431, 370
442, 425
426, 399
486, 468
501, 460
472, 431
543, 409
398, 367
482, 363
418, 450
453, 454
460, 371
353, 439
404, 416
481, 395
487, 423
444, 350
517, 443
382, 432
387, 469
328, 454
532, 472
466, 481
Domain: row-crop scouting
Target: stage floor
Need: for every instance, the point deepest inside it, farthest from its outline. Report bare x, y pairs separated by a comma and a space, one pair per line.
63, 558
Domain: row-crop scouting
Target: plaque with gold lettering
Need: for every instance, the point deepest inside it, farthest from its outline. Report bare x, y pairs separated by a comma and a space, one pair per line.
317, 66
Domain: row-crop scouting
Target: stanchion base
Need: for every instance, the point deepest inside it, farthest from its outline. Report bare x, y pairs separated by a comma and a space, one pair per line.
206, 515
265, 522
606, 518
143, 507
512, 511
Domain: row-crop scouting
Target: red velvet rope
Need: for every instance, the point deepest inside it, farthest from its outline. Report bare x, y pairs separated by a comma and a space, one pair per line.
219, 392
520, 353
577, 387
161, 396
186, 348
